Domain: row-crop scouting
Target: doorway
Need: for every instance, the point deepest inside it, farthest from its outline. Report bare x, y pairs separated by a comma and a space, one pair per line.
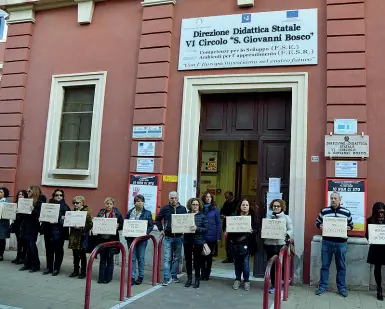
244, 140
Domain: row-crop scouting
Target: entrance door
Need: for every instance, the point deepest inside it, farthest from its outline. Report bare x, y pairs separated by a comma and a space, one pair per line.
264, 118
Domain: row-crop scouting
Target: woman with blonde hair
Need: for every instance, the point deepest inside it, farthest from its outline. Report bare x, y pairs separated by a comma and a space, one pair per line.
106, 266
193, 242
30, 229
78, 239
273, 246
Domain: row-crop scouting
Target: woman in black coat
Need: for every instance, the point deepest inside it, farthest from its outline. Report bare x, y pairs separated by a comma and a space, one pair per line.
4, 223
55, 235
15, 228
30, 229
376, 254
193, 242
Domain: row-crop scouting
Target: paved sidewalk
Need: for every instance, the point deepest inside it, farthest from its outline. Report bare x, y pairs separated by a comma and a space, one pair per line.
26, 290
303, 297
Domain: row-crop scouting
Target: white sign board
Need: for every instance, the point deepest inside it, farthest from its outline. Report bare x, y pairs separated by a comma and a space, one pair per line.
376, 234
49, 213
280, 38
335, 227
346, 169
273, 229
1, 210
349, 146
104, 226
145, 165
274, 185
25, 206
134, 228
147, 132
345, 126
8, 211
75, 219
146, 149
238, 224
315, 159
182, 223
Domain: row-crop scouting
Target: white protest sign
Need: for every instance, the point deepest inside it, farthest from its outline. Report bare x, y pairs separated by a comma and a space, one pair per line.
182, 223
75, 218
238, 224
273, 229
1, 209
25, 206
8, 211
134, 228
335, 227
376, 234
104, 226
49, 213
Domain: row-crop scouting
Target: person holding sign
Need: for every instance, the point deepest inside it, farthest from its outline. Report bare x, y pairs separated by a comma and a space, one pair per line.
243, 244
172, 241
106, 266
213, 233
139, 213
16, 227
30, 229
336, 246
4, 223
376, 254
193, 242
78, 239
54, 235
273, 246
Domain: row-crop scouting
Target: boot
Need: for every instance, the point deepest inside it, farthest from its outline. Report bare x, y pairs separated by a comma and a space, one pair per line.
75, 273
196, 283
379, 293
189, 280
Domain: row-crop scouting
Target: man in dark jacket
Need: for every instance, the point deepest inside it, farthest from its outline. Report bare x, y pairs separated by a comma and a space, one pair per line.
228, 209
172, 242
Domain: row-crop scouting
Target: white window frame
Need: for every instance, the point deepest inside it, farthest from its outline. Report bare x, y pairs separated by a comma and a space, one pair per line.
5, 30
84, 178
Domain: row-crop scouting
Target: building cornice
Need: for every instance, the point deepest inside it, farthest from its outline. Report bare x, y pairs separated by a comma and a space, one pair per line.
157, 2
21, 14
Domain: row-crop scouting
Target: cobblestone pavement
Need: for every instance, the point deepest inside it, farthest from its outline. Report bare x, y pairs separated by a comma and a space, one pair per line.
303, 297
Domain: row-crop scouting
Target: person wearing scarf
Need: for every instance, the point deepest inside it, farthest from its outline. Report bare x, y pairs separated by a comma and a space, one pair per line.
273, 246
106, 266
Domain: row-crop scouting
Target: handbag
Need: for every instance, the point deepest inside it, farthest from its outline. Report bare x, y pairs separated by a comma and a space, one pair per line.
206, 250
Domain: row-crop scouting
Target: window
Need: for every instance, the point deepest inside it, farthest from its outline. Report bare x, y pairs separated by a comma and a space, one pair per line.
3, 26
72, 145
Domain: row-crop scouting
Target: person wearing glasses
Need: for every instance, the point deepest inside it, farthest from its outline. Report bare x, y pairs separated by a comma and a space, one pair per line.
78, 239
54, 235
4, 223
15, 228
30, 229
273, 246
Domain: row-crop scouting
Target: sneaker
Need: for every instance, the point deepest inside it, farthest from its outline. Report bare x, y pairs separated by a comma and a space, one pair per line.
236, 284
165, 283
343, 293
271, 290
319, 292
247, 286
176, 280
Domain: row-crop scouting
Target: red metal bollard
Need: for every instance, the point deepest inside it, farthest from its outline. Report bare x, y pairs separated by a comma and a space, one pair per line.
89, 270
286, 262
266, 285
160, 245
154, 261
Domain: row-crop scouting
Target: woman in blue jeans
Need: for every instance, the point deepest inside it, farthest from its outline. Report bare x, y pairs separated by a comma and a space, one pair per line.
243, 245
139, 213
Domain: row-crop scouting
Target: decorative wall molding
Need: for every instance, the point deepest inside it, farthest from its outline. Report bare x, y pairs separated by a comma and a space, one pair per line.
21, 14
157, 2
85, 11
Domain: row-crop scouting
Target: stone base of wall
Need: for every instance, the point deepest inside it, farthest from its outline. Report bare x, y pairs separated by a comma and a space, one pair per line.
359, 273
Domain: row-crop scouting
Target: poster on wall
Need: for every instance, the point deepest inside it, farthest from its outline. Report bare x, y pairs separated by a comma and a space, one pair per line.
278, 38
208, 183
209, 162
146, 185
353, 197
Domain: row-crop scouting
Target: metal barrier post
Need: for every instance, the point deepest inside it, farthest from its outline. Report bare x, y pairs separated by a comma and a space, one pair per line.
154, 261
89, 270
266, 284
278, 280
286, 263
292, 262
160, 245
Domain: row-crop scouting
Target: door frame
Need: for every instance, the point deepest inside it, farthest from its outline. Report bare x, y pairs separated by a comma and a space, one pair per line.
297, 83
